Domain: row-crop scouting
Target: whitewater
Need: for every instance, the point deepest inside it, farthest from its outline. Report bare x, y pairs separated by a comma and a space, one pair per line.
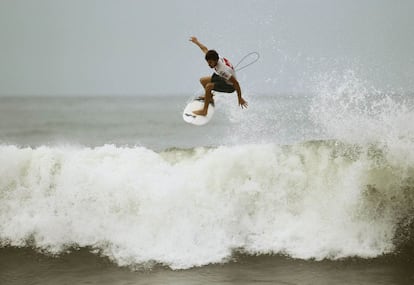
186, 208
344, 190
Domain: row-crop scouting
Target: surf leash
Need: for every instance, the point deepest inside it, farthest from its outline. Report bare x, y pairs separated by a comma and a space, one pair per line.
257, 56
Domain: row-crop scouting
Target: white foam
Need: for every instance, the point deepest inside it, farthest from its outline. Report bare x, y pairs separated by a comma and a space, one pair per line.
191, 208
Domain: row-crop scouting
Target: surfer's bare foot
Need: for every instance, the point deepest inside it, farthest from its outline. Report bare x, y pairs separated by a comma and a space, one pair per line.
202, 98
200, 112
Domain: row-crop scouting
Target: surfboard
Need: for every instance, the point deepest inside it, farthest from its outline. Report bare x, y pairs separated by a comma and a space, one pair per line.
194, 119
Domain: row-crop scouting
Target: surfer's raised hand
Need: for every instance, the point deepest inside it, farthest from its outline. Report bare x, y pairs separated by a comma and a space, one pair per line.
193, 39
203, 48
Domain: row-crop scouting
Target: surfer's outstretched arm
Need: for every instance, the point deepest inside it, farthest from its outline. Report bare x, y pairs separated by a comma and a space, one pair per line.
200, 45
242, 103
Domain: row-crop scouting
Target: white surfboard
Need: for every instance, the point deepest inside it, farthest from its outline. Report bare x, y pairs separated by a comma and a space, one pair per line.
194, 119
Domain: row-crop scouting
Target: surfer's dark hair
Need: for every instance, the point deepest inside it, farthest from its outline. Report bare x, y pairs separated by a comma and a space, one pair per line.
212, 55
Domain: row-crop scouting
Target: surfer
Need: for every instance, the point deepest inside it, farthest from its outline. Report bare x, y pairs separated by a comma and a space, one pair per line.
223, 79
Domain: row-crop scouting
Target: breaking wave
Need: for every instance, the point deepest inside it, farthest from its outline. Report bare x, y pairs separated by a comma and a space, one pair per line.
186, 208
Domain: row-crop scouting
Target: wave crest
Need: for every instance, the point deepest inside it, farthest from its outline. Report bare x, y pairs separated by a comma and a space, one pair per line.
185, 208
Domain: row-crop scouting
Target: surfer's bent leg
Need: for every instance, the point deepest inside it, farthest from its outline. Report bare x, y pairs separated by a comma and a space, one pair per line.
205, 80
207, 98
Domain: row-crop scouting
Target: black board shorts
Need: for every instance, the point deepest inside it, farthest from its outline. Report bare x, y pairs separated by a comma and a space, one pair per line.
221, 85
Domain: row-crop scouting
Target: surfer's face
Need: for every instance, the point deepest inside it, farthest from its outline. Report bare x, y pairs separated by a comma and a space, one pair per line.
212, 63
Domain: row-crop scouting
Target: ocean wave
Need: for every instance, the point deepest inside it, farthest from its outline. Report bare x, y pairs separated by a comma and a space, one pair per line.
192, 207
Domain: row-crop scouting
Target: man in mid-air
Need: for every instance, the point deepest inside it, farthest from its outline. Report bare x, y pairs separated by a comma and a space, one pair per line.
223, 79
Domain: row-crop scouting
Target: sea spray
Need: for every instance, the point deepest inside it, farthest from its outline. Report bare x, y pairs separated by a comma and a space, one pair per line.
350, 109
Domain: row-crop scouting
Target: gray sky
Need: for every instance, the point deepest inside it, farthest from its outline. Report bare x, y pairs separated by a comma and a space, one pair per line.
141, 47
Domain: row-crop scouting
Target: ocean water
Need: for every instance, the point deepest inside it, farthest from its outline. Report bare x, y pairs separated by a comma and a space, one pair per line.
313, 188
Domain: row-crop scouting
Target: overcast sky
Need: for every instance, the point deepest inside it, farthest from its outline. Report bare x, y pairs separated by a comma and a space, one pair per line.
64, 47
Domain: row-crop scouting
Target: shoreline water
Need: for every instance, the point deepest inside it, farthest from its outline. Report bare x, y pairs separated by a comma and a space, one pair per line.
26, 266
